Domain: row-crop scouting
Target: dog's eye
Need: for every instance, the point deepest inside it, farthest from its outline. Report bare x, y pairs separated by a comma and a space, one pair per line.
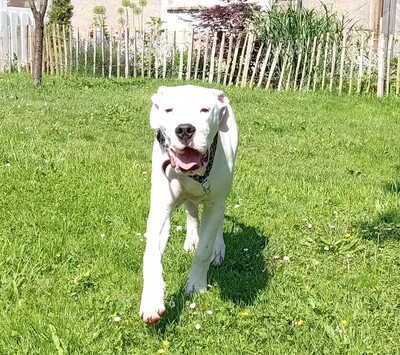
168, 110
205, 110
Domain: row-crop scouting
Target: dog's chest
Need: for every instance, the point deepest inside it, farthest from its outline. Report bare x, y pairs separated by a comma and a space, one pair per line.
188, 189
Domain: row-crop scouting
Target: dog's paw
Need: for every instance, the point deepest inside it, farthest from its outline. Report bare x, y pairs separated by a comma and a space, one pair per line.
196, 285
152, 307
191, 241
219, 252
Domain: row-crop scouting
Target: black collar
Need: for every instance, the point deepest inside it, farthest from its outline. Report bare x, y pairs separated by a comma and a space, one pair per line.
202, 179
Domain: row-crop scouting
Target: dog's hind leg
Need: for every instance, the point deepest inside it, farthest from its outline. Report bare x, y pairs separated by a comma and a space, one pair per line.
192, 225
219, 247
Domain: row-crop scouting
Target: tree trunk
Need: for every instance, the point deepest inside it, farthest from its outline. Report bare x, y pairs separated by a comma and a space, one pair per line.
38, 54
39, 34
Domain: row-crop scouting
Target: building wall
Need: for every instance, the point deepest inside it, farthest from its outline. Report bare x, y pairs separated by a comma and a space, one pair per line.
83, 12
360, 11
170, 11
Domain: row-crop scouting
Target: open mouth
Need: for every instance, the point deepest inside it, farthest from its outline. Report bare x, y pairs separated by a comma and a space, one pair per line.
188, 159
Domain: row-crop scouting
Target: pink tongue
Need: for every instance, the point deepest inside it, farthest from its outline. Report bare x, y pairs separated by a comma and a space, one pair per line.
190, 159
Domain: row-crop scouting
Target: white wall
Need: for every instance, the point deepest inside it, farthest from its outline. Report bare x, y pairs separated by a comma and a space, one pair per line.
177, 20
13, 34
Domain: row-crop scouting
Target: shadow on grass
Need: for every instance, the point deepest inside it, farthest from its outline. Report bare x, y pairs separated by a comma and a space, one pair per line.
243, 273
392, 187
240, 278
385, 226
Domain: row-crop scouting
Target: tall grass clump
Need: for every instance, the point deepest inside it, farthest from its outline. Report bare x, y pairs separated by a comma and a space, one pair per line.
294, 28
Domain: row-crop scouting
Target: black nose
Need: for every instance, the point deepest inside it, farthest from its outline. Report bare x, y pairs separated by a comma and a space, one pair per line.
185, 131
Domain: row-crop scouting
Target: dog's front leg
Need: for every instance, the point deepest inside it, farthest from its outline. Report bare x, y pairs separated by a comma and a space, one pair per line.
162, 203
192, 224
211, 222
152, 304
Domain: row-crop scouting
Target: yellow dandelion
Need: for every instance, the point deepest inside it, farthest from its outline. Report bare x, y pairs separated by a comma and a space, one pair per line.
244, 314
344, 322
165, 343
299, 323
347, 235
161, 351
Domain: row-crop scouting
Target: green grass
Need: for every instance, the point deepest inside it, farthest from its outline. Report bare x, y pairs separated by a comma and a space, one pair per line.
317, 181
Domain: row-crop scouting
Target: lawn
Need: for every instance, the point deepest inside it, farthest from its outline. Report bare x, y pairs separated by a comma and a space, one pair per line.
312, 225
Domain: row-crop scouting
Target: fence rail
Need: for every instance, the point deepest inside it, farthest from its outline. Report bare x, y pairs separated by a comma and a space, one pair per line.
355, 62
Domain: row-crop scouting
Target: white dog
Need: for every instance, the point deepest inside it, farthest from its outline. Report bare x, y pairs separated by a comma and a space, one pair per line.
193, 161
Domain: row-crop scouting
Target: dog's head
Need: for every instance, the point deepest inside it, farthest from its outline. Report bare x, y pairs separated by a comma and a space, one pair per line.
189, 117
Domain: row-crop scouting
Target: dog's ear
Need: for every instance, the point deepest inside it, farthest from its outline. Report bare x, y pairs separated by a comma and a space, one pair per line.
155, 109
223, 105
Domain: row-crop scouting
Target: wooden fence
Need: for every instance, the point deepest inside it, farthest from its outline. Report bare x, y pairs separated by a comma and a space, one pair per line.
355, 62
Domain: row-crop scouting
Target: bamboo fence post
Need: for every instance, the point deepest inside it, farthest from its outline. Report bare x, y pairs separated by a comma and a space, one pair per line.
212, 58
333, 65
119, 39
207, 40
228, 59
164, 52
56, 63
142, 57
71, 42
111, 56
381, 65
241, 59
235, 55
371, 47
361, 64
190, 56
50, 67
94, 52
134, 52
353, 53
296, 73
289, 76
325, 61
102, 53
342, 59
264, 65
149, 56
10, 50
31, 46
388, 60
249, 51
86, 51
173, 69
126, 52
198, 54
398, 70
221, 57
253, 74
304, 64
60, 50
274, 62
78, 42
156, 56
316, 71
285, 60
180, 73
65, 49
312, 62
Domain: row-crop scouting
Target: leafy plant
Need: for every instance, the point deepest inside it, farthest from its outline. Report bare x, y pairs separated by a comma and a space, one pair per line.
61, 12
293, 28
235, 17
